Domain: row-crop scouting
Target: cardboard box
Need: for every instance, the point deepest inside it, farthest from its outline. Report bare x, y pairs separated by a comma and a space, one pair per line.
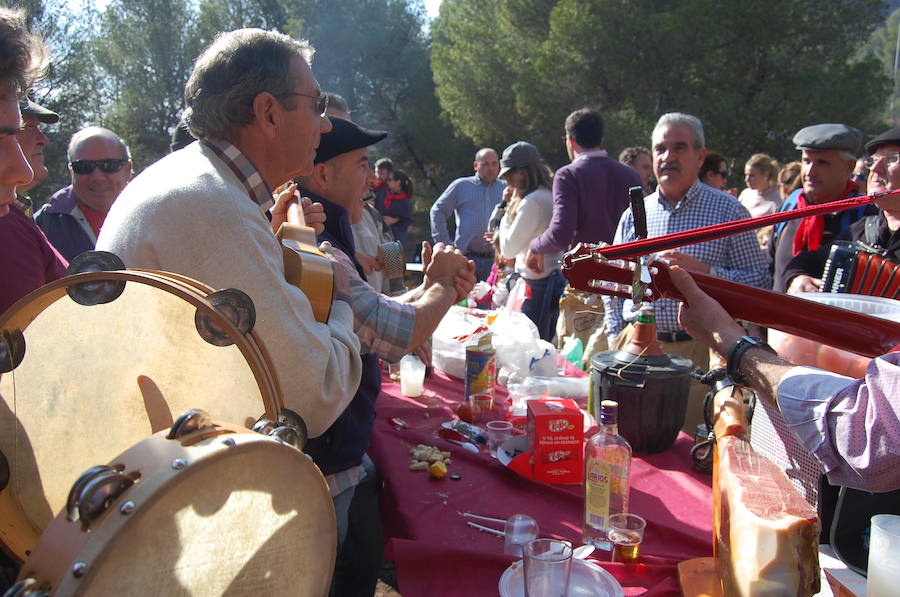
556, 438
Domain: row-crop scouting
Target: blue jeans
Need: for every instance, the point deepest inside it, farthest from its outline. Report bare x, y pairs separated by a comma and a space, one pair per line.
543, 306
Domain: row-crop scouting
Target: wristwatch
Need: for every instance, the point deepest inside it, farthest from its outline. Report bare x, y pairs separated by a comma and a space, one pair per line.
736, 355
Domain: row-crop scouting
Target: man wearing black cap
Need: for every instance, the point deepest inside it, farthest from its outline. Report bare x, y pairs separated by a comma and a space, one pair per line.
387, 328
28, 259
829, 157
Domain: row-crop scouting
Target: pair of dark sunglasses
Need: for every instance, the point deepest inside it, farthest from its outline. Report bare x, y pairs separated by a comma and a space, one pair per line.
108, 166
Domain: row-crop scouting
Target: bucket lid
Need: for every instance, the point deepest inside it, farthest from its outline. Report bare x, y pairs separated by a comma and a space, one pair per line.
627, 365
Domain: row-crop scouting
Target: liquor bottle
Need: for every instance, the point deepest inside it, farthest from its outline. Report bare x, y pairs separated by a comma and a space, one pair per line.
607, 460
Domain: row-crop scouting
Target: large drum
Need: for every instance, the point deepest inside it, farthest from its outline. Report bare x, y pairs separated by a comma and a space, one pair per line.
95, 362
210, 509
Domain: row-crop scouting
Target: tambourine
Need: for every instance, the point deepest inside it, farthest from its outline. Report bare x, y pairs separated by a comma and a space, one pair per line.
94, 362
200, 509
392, 259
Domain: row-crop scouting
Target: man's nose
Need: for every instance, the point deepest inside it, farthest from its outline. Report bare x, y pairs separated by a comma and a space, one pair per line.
15, 170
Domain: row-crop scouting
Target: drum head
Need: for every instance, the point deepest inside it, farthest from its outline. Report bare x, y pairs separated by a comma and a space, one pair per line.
96, 379
252, 518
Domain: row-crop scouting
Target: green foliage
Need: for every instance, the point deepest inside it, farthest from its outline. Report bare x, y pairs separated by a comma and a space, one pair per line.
753, 72
145, 55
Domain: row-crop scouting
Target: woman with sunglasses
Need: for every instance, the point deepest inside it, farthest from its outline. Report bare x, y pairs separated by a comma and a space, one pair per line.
528, 213
397, 212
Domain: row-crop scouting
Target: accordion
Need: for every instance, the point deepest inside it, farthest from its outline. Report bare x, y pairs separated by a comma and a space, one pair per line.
856, 268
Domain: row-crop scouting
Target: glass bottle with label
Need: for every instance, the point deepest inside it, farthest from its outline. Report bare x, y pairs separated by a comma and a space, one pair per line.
607, 460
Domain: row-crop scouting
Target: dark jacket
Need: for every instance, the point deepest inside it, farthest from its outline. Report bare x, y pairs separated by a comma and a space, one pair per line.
65, 226
346, 441
787, 266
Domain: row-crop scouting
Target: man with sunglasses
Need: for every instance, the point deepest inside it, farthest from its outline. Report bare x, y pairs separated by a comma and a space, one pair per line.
100, 165
257, 112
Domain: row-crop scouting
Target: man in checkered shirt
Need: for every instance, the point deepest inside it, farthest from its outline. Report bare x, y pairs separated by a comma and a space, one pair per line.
681, 202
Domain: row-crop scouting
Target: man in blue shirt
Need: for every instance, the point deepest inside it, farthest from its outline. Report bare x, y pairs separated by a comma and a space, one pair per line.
472, 198
681, 202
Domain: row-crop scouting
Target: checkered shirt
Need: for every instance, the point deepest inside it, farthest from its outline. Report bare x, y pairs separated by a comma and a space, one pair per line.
244, 169
737, 257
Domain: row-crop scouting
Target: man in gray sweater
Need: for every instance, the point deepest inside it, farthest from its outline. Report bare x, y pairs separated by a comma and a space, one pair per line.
257, 111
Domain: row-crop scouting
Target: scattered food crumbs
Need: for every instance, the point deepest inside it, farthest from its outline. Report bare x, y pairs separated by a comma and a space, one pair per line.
429, 458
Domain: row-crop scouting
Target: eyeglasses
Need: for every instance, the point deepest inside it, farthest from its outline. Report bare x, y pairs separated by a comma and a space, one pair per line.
108, 166
723, 173
890, 158
321, 100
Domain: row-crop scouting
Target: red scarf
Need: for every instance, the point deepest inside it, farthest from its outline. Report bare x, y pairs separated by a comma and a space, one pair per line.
392, 197
809, 232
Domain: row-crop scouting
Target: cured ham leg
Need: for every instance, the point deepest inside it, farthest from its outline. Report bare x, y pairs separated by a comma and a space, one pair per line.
766, 534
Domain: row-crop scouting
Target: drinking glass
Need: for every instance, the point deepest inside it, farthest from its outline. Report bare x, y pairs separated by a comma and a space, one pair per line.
412, 376
519, 530
497, 433
884, 556
548, 566
626, 533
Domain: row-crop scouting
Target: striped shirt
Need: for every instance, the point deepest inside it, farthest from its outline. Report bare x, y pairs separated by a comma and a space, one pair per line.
852, 426
737, 258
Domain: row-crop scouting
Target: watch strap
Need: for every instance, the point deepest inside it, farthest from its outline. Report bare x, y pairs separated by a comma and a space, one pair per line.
736, 355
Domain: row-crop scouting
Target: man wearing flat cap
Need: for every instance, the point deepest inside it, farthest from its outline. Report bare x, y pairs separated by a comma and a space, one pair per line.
828, 155
387, 328
878, 232
28, 259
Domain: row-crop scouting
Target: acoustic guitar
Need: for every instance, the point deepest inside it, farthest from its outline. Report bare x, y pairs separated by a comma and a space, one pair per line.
587, 269
305, 266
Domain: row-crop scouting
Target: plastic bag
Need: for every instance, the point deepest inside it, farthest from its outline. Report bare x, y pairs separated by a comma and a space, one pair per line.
459, 327
517, 295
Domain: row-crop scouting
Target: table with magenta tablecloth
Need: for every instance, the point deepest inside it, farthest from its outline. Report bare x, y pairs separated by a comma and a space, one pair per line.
437, 553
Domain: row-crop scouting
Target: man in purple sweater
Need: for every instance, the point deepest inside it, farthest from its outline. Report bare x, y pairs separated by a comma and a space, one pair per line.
589, 194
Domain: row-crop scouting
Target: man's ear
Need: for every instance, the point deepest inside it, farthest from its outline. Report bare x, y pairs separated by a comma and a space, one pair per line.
322, 175
266, 113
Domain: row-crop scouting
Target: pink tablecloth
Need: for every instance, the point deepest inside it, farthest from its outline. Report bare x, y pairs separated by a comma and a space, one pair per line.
438, 554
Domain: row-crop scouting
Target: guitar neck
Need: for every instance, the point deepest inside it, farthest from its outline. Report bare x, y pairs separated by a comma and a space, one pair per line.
840, 328
587, 269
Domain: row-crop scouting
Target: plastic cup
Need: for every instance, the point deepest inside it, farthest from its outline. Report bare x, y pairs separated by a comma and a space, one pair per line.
497, 433
519, 530
884, 556
626, 533
412, 376
548, 566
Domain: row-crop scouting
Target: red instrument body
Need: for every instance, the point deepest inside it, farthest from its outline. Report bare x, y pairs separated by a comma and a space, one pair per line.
586, 269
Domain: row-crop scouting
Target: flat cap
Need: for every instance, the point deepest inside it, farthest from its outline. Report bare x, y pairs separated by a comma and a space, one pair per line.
829, 136
29, 108
519, 155
891, 137
345, 135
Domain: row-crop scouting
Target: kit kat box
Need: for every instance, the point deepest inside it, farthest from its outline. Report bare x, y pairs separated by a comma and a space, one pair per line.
556, 437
